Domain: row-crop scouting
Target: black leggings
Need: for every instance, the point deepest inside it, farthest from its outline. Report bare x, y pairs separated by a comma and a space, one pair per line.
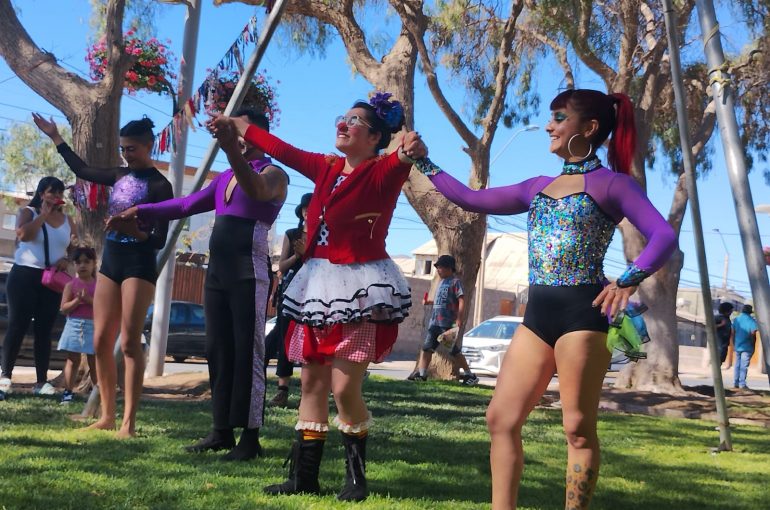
27, 300
275, 347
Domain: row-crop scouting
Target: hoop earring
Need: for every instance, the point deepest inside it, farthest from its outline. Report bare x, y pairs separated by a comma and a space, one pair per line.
569, 147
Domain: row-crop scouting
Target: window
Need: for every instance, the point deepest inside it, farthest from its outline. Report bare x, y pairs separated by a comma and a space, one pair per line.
178, 314
427, 267
197, 318
9, 221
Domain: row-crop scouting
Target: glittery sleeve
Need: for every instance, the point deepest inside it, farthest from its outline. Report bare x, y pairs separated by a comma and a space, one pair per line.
513, 199
661, 238
181, 207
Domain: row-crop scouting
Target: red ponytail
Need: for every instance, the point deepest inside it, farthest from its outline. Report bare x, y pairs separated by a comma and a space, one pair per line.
620, 154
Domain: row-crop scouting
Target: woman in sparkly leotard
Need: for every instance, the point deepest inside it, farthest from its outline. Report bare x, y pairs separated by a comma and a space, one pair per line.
125, 285
571, 221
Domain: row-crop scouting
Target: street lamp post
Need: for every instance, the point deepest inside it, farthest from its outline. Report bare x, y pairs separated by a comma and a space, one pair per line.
478, 310
727, 259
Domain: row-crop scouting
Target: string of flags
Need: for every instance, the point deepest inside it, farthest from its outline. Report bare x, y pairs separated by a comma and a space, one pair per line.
231, 62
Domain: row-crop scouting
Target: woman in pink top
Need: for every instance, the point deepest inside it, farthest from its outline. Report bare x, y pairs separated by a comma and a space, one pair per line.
77, 303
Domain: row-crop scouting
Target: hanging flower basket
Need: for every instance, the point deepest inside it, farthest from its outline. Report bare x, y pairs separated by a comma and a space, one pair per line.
261, 95
152, 71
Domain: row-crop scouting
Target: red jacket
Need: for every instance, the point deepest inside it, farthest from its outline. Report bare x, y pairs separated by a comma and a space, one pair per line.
359, 211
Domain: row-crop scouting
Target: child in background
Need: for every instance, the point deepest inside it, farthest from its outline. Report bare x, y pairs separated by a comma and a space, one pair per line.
77, 303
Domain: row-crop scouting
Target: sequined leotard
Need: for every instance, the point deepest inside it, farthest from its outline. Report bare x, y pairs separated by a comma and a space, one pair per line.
569, 237
124, 256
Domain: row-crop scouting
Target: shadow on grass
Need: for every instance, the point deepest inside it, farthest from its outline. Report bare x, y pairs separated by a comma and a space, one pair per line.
428, 449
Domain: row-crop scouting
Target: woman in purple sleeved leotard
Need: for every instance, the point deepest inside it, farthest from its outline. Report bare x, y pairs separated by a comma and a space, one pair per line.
126, 281
571, 219
246, 200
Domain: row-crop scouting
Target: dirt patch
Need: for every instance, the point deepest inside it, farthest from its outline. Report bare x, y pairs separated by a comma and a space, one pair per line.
746, 407
186, 386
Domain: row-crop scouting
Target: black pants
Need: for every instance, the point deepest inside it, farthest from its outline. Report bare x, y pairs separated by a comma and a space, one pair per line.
275, 347
27, 300
235, 359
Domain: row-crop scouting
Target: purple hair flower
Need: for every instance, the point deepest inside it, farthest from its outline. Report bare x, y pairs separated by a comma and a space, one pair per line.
391, 112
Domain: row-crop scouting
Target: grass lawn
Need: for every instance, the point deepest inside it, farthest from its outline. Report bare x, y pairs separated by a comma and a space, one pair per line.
428, 450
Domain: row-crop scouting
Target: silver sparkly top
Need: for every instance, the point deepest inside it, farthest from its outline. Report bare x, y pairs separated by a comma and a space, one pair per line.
568, 237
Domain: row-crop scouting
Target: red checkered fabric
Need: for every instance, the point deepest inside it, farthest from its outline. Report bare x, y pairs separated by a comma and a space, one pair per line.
356, 342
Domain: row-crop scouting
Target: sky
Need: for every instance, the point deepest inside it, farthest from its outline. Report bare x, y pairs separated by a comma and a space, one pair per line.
312, 91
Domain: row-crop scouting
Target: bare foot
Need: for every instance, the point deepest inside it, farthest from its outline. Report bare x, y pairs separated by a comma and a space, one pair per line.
78, 417
126, 432
102, 425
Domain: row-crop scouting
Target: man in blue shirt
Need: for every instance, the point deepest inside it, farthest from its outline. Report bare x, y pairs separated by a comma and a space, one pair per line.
744, 337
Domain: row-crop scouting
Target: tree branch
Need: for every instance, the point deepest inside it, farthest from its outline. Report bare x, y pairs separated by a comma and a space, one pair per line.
586, 54
36, 67
558, 49
502, 77
415, 22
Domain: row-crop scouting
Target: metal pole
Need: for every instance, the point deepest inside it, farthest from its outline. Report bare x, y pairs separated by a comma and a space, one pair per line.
478, 311
737, 172
725, 441
235, 102
162, 307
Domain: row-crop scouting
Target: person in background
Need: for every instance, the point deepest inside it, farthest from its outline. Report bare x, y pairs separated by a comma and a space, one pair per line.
43, 234
289, 264
744, 337
724, 328
77, 303
448, 311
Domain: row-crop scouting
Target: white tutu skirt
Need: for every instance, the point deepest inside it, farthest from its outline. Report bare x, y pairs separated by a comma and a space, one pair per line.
324, 294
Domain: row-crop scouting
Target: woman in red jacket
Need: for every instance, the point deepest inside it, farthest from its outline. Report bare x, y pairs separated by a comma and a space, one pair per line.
348, 298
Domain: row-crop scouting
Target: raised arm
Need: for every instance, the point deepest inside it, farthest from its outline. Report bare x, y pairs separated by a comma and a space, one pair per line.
266, 186
661, 238
513, 199
106, 176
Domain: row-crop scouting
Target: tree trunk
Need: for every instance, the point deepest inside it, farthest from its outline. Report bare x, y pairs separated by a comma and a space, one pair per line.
660, 371
94, 129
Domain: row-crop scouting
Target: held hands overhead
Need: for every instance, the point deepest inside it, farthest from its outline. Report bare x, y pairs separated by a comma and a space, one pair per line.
412, 147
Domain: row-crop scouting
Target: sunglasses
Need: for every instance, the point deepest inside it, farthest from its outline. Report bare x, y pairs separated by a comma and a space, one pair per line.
353, 120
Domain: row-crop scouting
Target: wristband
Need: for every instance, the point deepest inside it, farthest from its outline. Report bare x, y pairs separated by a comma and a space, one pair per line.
427, 167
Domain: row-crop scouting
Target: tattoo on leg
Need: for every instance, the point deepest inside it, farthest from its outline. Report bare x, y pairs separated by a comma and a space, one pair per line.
581, 481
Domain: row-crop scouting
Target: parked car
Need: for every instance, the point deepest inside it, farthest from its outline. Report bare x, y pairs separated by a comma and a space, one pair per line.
187, 330
26, 353
485, 345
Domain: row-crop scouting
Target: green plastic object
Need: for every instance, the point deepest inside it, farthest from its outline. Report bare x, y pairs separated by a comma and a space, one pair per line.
623, 336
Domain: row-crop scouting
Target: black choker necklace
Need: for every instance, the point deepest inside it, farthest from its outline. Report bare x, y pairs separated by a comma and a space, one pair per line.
581, 167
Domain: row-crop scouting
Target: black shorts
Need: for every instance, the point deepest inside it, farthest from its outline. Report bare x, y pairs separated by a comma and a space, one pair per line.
121, 261
431, 340
555, 311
